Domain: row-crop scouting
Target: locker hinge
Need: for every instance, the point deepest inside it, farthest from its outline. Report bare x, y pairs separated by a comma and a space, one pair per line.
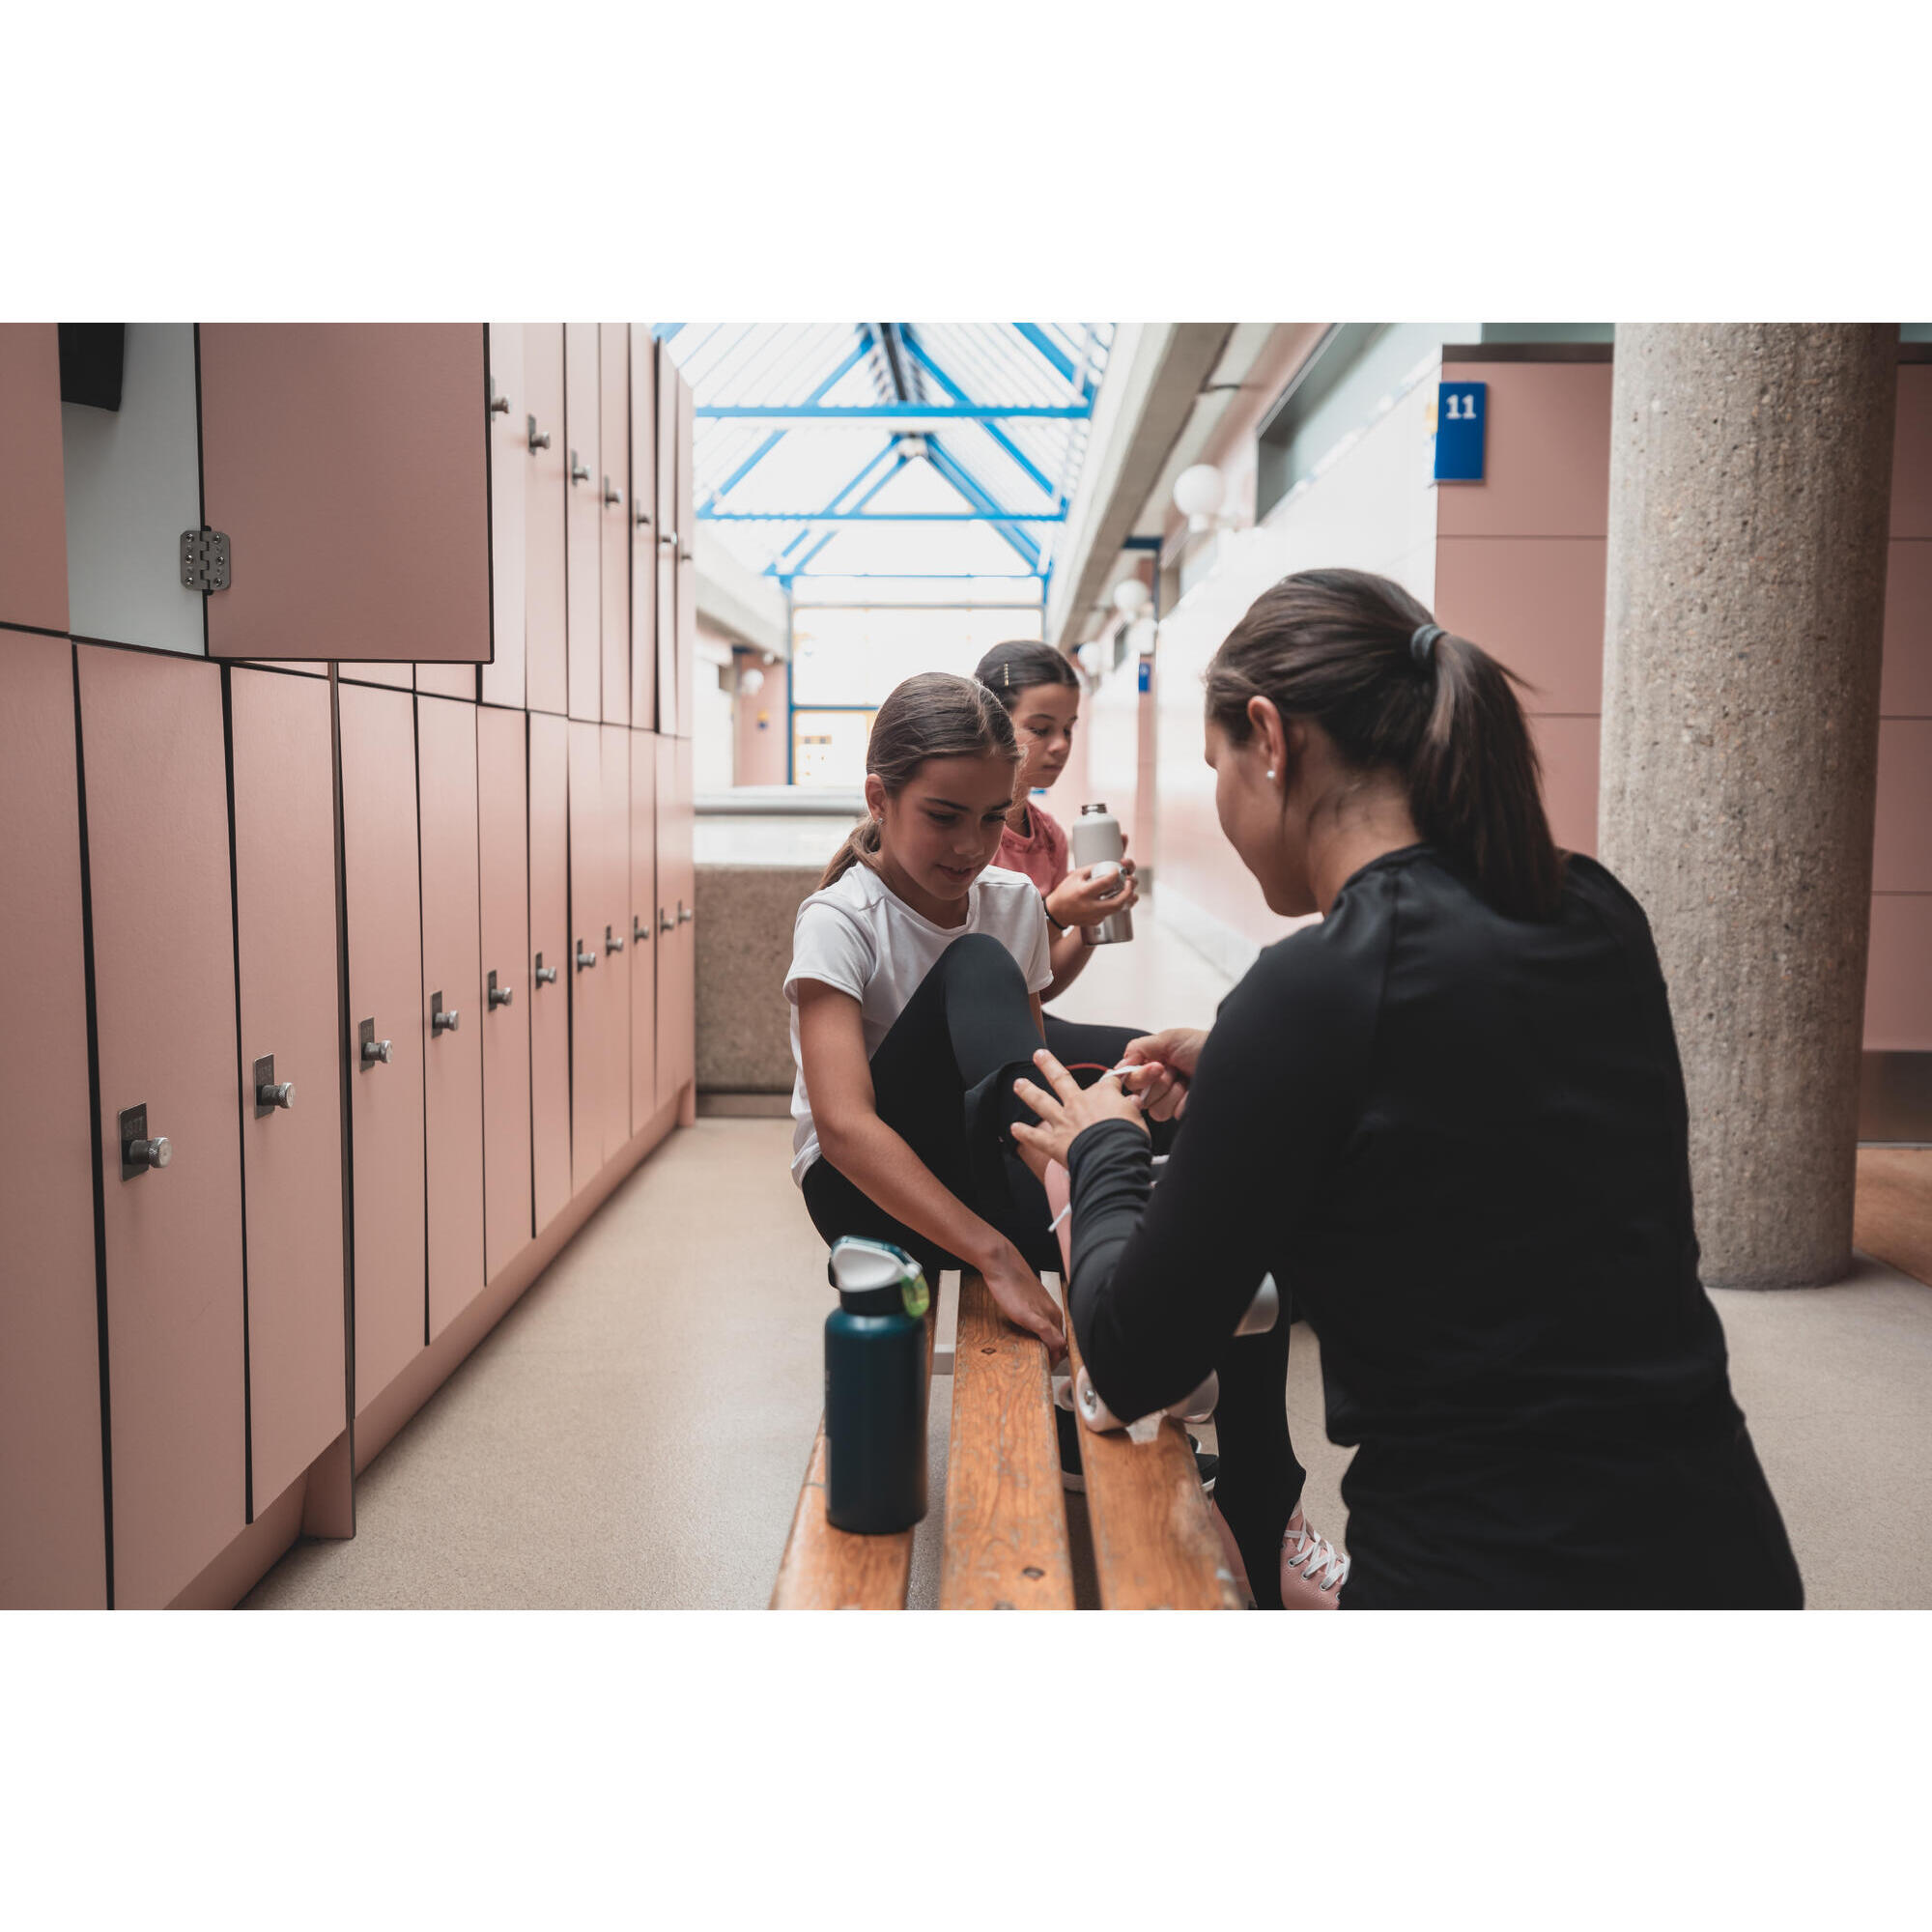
204, 557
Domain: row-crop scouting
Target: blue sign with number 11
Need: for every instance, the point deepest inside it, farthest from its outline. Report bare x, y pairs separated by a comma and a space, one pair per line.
1459, 431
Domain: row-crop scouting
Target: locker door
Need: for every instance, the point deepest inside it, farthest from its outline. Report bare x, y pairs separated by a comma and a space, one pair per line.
550, 970
587, 954
643, 528
613, 938
347, 465
687, 562
613, 353
451, 1018
157, 793
53, 1552
686, 1008
503, 1004
668, 539
509, 471
676, 981
383, 893
583, 519
32, 507
646, 949
544, 596
282, 762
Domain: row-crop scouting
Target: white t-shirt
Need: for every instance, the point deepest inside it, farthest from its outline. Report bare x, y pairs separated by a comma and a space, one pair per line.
861, 937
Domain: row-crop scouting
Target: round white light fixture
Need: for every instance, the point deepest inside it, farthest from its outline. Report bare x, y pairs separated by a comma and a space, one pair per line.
752, 682
1130, 597
1198, 494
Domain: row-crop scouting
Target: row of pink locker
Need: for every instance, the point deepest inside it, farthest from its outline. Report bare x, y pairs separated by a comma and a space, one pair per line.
194, 855
342, 468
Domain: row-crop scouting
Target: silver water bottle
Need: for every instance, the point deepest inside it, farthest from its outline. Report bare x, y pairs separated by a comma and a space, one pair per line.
1097, 840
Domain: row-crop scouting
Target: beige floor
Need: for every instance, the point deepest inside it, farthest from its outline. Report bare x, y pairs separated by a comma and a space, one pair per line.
634, 1432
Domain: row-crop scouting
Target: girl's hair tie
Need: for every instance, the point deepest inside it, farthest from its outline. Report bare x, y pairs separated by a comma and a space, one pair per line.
1422, 645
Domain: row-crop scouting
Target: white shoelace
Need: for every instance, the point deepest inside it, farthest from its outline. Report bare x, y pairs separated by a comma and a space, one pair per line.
1316, 1557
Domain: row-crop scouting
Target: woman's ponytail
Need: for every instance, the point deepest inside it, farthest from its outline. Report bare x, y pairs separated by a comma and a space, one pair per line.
1364, 659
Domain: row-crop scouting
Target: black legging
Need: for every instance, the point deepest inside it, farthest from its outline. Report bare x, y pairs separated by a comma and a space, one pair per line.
941, 1079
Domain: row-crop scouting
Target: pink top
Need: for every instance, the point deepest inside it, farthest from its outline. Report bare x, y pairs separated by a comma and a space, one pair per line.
1041, 855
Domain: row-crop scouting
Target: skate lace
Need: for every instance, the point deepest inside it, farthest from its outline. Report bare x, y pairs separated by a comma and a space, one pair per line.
1315, 1556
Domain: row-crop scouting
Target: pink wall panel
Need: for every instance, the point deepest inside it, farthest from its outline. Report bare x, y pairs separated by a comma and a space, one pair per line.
1569, 749
385, 1100
1902, 845
1898, 988
646, 949
545, 599
1906, 688
452, 966
1547, 459
394, 676
669, 538
444, 680
643, 528
586, 975
283, 764
503, 864
1912, 453
509, 472
52, 1534
614, 389
583, 520
617, 954
549, 947
1534, 603
676, 989
32, 501
164, 985
325, 442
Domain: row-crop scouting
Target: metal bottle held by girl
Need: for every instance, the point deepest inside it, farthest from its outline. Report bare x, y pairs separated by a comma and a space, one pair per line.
1097, 840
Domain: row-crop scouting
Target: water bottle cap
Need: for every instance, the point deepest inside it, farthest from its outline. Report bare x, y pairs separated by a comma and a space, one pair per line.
866, 1273
1087, 811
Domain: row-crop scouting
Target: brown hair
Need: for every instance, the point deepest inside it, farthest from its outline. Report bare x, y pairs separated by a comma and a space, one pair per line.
1362, 658
931, 715
1009, 669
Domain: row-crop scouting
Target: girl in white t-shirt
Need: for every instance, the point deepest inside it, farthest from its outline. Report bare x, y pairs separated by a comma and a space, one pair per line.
915, 983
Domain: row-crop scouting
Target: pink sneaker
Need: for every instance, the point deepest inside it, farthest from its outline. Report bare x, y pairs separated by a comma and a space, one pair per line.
1312, 1570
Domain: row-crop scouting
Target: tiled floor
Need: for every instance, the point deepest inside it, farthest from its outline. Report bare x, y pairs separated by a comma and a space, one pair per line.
634, 1432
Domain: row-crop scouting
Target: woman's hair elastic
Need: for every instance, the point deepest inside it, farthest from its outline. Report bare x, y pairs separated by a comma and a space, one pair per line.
1422, 645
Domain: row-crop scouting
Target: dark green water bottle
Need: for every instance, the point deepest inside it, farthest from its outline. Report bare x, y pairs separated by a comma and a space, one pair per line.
875, 1389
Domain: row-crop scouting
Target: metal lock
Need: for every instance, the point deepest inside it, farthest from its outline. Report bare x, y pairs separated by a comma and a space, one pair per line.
584, 957
371, 1051
139, 1152
666, 923
640, 931
500, 996
579, 471
538, 439
546, 975
614, 941
441, 1020
685, 914
270, 1093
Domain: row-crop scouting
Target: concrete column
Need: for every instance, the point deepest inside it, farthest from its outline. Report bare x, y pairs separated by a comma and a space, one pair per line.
1750, 480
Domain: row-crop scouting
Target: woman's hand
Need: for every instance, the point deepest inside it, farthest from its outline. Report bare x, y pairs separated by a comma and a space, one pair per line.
1068, 1110
1022, 1297
1175, 1054
1082, 899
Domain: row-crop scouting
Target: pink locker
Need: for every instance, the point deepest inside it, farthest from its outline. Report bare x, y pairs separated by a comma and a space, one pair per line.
509, 471
669, 540
677, 981
347, 465
383, 893
451, 1018
614, 938
687, 562
33, 503
643, 528
588, 900
584, 518
163, 953
646, 949
613, 354
550, 970
281, 754
53, 1551
503, 1007
546, 621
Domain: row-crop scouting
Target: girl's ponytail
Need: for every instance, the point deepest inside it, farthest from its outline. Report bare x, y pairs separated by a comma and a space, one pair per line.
861, 847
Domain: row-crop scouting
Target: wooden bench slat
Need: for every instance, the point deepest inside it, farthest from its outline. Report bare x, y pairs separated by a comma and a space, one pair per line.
826, 1569
1155, 1546
1006, 1542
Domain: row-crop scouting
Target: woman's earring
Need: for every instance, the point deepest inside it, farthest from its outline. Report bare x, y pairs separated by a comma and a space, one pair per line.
1271, 776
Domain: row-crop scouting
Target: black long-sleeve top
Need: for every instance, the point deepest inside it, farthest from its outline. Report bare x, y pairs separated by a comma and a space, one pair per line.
1461, 1141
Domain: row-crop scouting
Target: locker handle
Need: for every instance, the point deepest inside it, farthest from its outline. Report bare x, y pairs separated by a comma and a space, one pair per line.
539, 439
500, 405
500, 996
377, 1052
640, 931
685, 915
441, 1019
584, 957
546, 975
682, 555
578, 472
156, 1152
614, 941
643, 518
275, 1093
612, 496
667, 537
666, 923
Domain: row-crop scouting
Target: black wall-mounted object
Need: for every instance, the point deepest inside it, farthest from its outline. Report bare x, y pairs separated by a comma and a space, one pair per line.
92, 357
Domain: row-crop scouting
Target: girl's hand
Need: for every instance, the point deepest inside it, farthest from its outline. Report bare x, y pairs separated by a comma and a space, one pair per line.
1175, 1054
1022, 1297
1082, 899
1068, 1110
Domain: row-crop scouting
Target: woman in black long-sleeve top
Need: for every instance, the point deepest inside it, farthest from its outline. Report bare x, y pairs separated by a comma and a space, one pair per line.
1451, 1116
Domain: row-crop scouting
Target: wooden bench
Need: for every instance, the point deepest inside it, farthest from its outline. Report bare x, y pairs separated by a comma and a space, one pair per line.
1006, 1543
